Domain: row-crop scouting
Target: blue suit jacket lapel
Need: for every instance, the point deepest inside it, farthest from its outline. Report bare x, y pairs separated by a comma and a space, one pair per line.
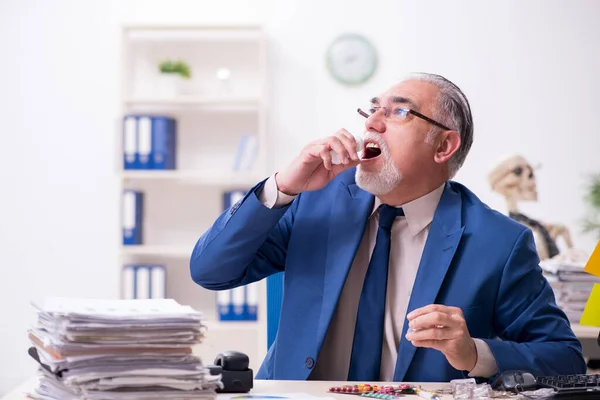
349, 215
443, 239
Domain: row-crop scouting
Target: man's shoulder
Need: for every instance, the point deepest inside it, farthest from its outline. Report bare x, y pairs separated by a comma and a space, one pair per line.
480, 218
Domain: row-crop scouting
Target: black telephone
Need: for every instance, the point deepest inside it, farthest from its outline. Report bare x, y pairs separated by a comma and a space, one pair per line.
235, 374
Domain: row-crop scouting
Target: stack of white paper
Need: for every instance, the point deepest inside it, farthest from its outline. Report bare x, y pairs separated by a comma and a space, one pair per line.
120, 349
571, 284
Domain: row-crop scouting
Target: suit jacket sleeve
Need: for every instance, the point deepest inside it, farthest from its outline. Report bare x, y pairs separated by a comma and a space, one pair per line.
246, 243
535, 335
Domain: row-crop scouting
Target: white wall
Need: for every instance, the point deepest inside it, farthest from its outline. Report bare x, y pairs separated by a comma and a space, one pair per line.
529, 68
58, 202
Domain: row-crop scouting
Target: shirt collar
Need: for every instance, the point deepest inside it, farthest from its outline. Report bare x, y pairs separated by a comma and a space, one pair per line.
419, 212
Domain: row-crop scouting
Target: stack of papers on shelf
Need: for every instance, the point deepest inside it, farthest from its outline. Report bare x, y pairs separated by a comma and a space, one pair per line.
119, 349
571, 284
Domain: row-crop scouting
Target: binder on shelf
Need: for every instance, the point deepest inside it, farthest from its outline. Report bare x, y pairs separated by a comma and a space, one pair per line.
164, 143
130, 142
149, 142
144, 144
251, 302
158, 282
144, 281
133, 216
224, 306
246, 153
128, 289
238, 303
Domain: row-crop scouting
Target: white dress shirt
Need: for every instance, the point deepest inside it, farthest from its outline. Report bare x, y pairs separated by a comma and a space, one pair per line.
409, 235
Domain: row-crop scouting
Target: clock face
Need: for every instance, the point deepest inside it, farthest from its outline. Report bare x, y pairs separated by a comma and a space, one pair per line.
351, 59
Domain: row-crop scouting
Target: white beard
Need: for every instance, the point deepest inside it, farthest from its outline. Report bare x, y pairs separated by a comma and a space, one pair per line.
383, 181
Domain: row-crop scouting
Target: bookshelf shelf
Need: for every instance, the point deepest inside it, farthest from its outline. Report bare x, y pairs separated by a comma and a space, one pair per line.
222, 179
217, 120
228, 104
157, 250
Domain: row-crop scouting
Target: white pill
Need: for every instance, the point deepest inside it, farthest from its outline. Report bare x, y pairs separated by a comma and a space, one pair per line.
335, 158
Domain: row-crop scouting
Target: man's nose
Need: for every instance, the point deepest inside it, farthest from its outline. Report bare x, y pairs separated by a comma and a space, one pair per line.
376, 122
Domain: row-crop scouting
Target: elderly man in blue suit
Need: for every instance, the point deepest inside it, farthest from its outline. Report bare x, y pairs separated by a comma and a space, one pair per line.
393, 271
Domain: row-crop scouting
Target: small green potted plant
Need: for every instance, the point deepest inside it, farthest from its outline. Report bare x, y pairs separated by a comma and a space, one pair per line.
592, 223
172, 76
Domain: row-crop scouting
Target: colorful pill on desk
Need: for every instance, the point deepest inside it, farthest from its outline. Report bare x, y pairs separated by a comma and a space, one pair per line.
364, 388
345, 389
379, 395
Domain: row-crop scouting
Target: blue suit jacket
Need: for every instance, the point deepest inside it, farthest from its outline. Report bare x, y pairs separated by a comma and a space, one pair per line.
475, 258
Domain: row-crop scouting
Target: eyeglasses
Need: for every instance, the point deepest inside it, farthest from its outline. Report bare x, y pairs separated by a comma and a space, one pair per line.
401, 113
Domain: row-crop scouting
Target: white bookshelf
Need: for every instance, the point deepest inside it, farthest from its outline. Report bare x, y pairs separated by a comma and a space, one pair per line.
180, 204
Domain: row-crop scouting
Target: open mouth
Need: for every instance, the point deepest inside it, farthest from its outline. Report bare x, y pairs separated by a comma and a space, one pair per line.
371, 151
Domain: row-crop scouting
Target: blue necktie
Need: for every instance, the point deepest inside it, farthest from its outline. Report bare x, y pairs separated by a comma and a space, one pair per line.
365, 360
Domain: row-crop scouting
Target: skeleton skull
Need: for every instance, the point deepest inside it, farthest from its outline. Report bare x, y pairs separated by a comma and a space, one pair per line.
514, 179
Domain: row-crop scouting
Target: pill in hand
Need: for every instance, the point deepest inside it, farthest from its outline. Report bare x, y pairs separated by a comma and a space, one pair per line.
335, 158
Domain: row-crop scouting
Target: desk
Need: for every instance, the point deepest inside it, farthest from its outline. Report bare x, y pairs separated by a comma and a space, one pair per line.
585, 332
315, 388
588, 336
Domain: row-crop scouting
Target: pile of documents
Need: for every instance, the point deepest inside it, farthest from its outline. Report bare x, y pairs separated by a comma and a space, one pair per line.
571, 284
119, 349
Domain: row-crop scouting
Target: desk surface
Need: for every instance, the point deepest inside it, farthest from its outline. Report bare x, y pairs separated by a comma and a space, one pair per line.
585, 332
314, 388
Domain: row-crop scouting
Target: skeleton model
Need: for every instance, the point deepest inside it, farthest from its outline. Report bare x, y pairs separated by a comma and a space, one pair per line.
514, 179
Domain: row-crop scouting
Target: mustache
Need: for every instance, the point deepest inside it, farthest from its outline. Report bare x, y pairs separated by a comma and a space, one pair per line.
375, 137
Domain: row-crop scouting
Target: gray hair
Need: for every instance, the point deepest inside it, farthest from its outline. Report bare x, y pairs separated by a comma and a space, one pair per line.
452, 110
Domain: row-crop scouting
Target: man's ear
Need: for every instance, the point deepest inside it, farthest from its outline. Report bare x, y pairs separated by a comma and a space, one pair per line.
447, 144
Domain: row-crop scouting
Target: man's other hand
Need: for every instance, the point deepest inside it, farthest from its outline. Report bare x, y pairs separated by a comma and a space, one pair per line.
443, 328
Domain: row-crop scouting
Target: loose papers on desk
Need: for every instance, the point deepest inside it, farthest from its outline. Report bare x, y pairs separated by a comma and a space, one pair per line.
571, 284
119, 349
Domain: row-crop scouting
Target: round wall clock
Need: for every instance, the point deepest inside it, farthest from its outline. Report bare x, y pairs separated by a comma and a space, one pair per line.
351, 59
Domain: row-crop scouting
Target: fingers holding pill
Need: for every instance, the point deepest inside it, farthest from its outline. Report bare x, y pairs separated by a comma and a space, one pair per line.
319, 162
443, 328
351, 144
